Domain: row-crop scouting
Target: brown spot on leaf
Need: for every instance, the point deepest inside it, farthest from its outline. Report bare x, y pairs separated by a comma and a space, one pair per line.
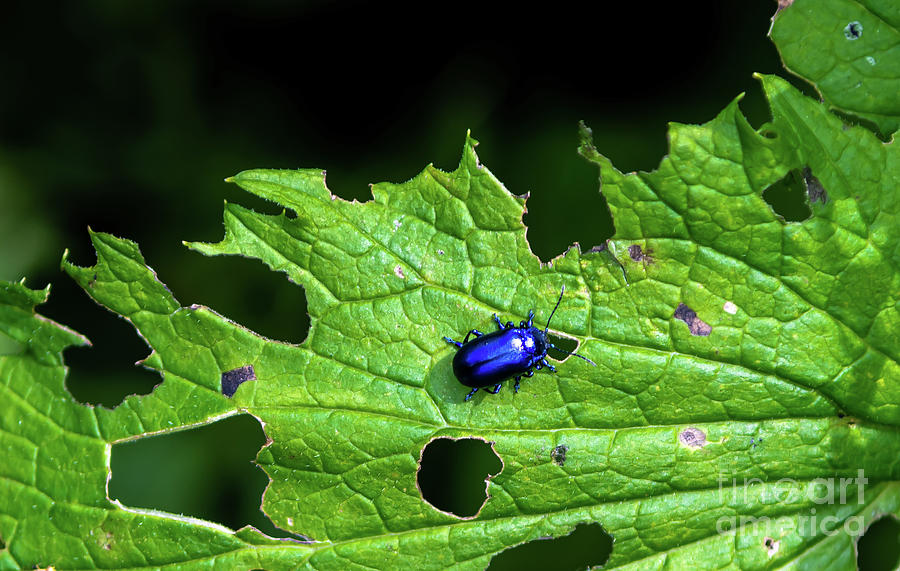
639, 255
696, 325
814, 188
234, 378
782, 4
692, 437
558, 454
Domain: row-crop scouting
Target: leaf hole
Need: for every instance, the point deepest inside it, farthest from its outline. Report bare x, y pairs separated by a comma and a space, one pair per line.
788, 197
563, 344
853, 31
104, 373
879, 547
247, 292
587, 546
167, 472
560, 211
453, 474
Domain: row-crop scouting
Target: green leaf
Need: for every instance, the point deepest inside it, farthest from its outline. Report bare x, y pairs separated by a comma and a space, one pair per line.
744, 412
848, 49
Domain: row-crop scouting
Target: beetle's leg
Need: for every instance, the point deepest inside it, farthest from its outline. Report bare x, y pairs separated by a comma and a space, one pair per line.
472, 392
510, 324
530, 319
495, 390
548, 365
538, 365
529, 373
457, 343
499, 323
516, 386
475, 332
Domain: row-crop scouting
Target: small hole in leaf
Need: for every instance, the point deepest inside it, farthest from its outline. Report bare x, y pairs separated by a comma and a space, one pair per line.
787, 197
206, 472
565, 344
879, 547
853, 31
452, 474
589, 545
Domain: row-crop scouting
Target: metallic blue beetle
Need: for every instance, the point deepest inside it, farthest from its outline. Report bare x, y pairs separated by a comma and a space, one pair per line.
510, 352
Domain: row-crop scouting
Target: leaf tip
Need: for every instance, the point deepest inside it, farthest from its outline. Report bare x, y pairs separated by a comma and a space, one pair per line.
471, 141
586, 146
585, 133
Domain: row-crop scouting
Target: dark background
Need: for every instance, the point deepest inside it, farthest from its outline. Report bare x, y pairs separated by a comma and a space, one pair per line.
127, 116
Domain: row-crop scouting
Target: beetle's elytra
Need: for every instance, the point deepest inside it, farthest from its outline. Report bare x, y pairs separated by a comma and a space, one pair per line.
509, 352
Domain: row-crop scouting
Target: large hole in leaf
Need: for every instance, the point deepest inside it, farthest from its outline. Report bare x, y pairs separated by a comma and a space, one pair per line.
879, 548
247, 292
452, 474
205, 472
587, 546
564, 206
787, 197
104, 373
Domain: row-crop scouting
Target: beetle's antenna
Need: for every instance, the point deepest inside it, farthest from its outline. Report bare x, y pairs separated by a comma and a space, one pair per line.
561, 292
573, 354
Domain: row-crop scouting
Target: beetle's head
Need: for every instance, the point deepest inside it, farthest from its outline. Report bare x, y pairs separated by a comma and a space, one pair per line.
540, 341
